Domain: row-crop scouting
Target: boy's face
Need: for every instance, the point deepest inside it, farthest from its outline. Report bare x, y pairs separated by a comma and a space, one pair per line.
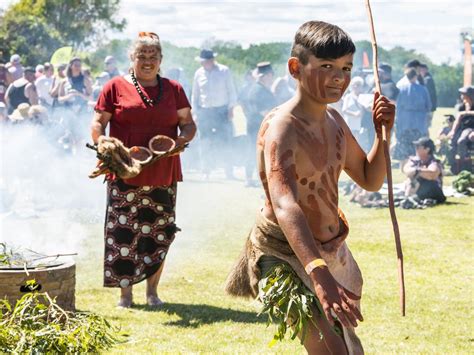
325, 80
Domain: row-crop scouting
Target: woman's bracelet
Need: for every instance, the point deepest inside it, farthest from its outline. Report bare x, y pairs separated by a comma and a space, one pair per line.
314, 264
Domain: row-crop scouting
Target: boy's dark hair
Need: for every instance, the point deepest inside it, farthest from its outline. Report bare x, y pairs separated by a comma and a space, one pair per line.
321, 39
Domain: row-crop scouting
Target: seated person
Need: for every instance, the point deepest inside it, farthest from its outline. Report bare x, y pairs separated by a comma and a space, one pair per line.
443, 139
424, 172
449, 121
462, 133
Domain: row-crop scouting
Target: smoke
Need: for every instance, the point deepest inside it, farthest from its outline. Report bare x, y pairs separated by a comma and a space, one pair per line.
46, 196
48, 204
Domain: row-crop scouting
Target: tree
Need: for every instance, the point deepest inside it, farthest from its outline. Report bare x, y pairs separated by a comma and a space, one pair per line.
36, 28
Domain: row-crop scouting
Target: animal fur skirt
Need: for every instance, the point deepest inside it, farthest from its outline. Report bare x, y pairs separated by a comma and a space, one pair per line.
267, 238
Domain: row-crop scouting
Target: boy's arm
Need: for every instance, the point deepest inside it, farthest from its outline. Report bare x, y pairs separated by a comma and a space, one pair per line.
280, 168
368, 171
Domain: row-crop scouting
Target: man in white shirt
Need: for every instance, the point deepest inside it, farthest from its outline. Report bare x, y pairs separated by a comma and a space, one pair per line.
415, 64
352, 109
43, 86
213, 98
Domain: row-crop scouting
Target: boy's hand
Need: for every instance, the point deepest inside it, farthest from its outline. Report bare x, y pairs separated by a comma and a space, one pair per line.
383, 113
334, 297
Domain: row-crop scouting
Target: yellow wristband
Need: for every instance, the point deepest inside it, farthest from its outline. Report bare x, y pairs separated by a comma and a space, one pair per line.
314, 264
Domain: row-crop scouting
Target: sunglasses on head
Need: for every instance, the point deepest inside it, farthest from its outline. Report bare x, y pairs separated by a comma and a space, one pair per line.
148, 34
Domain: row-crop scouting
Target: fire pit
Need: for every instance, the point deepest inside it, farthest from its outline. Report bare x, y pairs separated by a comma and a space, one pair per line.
53, 275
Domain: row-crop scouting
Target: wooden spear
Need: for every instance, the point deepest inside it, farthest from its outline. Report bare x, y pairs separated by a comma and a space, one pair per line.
398, 243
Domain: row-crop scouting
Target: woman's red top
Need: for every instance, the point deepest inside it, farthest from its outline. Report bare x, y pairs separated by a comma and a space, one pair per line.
135, 124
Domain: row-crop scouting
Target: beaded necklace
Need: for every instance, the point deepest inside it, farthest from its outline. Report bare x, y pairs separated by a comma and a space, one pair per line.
146, 100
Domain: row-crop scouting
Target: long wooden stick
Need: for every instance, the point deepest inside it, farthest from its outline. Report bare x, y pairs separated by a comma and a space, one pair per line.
396, 230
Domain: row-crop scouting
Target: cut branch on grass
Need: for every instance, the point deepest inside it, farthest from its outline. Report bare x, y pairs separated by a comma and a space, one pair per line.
37, 324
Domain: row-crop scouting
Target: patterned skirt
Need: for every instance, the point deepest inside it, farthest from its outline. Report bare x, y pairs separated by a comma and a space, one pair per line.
139, 229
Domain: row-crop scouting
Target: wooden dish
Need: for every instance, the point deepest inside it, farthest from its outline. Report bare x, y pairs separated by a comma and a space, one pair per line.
142, 154
161, 144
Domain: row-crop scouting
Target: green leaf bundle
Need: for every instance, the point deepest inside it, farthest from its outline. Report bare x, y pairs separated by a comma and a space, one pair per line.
36, 324
463, 182
287, 302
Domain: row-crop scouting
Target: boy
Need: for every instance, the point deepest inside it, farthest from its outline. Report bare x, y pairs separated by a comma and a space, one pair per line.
302, 148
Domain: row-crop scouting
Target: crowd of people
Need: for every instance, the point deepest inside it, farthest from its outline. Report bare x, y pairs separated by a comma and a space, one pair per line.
64, 97
60, 98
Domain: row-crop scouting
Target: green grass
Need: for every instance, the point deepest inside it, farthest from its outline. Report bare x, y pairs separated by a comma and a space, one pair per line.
216, 217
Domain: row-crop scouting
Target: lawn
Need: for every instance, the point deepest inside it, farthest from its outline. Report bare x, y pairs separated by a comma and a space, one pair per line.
215, 218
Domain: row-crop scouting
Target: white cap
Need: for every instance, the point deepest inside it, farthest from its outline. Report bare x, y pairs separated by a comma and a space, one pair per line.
357, 81
108, 59
15, 58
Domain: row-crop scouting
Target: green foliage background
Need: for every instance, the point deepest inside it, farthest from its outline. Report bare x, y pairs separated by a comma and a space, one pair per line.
36, 28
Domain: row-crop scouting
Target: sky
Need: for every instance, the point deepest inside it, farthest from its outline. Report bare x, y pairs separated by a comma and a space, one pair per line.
431, 27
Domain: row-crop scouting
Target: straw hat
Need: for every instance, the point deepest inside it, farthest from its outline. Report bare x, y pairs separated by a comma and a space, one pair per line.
20, 113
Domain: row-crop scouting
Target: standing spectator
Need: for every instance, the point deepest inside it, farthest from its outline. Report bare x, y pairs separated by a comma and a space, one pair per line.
100, 81
213, 98
57, 80
261, 101
39, 71
44, 85
352, 109
387, 85
243, 96
15, 71
412, 64
22, 90
177, 74
75, 90
413, 104
3, 82
111, 66
74, 94
282, 89
431, 87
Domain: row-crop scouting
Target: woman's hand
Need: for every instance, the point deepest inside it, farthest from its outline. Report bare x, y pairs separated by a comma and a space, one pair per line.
180, 146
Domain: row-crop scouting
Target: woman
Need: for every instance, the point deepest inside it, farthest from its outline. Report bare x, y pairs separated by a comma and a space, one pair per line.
139, 226
76, 89
73, 96
424, 172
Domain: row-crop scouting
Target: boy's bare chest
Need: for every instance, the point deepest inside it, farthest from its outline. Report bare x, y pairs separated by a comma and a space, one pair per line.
320, 147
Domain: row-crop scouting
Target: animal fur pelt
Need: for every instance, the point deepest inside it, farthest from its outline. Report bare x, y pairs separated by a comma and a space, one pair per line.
115, 158
267, 238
